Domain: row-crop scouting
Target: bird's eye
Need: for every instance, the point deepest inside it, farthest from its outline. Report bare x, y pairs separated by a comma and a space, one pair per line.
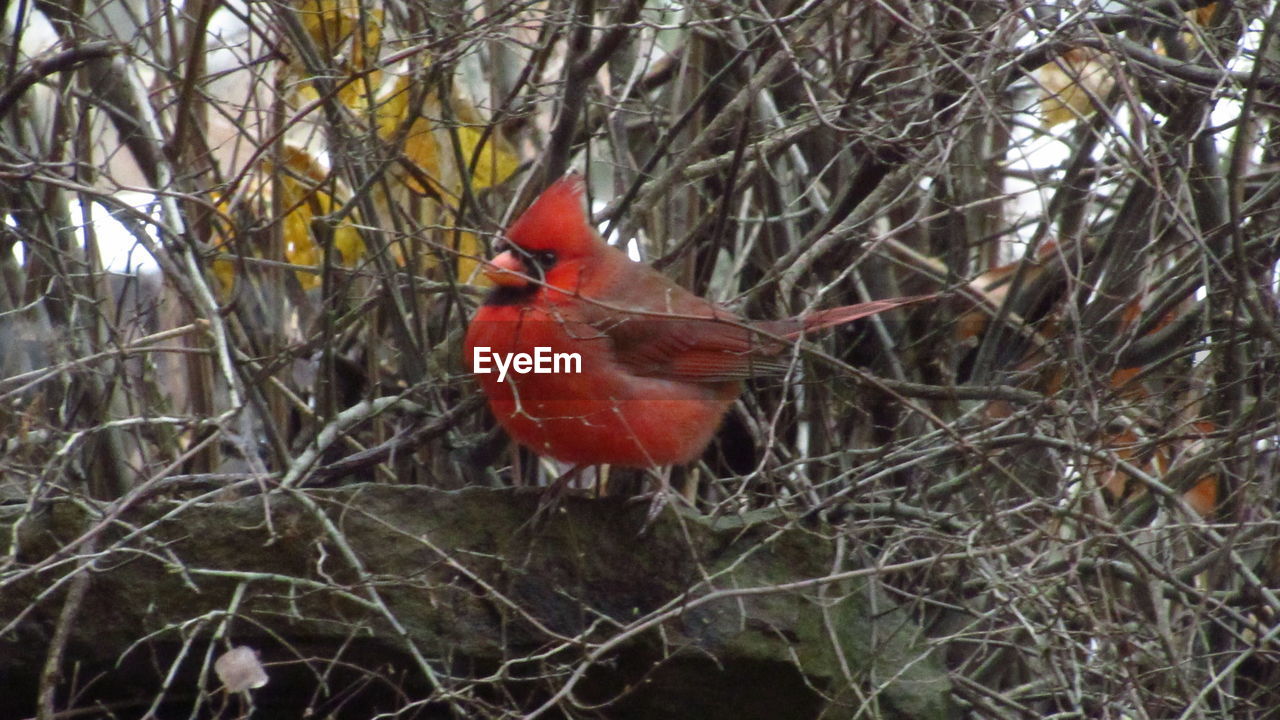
545, 259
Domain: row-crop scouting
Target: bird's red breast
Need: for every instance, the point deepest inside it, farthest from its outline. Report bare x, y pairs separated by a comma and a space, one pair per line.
659, 366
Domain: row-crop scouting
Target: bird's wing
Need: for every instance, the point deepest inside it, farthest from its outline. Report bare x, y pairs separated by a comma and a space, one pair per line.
718, 346
658, 329
655, 328
692, 349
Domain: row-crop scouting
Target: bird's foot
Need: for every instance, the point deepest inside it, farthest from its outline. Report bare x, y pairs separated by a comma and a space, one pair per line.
554, 494
659, 499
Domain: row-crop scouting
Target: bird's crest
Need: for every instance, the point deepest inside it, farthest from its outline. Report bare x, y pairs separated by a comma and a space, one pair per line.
555, 221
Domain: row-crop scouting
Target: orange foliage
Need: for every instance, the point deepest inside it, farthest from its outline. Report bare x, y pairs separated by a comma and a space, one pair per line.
1153, 456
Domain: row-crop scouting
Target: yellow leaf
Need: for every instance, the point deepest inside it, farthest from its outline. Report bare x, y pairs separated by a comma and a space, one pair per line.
228, 207
393, 106
340, 28
298, 246
301, 200
302, 203
350, 39
1202, 17
1069, 84
347, 241
497, 160
428, 142
421, 148
225, 272
441, 144
469, 251
299, 162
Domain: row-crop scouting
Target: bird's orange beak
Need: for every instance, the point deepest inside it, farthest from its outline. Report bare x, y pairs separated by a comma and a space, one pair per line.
507, 269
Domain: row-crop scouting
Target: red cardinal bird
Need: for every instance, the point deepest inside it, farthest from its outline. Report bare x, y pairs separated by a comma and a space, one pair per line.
659, 366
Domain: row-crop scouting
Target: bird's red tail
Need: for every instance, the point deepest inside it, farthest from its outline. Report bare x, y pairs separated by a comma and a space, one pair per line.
848, 313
